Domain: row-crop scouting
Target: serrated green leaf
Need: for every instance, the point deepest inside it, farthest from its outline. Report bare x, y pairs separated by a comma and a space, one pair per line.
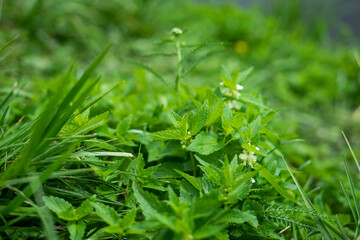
227, 79
106, 213
170, 134
211, 171
249, 99
76, 229
153, 209
207, 231
193, 180
238, 217
205, 144
240, 192
175, 119
57, 205
242, 75
128, 219
198, 121
123, 126
215, 112
81, 124
84, 209
273, 181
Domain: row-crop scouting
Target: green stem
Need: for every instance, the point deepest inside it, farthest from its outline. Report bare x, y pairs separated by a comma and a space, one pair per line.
193, 162
178, 77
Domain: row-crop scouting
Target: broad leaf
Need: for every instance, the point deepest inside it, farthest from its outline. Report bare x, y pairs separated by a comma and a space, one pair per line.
205, 144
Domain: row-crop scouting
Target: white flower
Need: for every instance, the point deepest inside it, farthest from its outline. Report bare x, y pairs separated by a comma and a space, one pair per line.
239, 87
176, 31
248, 158
253, 180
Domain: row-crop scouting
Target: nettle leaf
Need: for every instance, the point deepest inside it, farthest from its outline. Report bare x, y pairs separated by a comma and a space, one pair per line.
207, 231
250, 99
205, 144
207, 205
168, 135
193, 180
81, 124
154, 209
198, 121
228, 81
197, 103
274, 181
128, 219
76, 229
238, 217
212, 172
255, 127
123, 126
175, 119
215, 112
242, 75
84, 209
240, 192
107, 213
65, 210
57, 205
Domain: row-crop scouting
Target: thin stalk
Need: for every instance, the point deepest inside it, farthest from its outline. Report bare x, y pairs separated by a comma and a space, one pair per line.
193, 163
179, 56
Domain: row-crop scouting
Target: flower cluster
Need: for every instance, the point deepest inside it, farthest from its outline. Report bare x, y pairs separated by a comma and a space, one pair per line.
248, 158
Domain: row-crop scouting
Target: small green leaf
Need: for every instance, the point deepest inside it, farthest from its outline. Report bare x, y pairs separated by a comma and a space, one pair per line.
175, 119
152, 208
168, 135
128, 219
107, 213
57, 205
273, 181
193, 180
76, 230
242, 75
238, 217
207, 231
205, 144
198, 121
227, 79
123, 126
84, 209
215, 112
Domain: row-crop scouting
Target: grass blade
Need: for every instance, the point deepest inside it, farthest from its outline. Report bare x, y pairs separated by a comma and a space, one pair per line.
352, 152
320, 224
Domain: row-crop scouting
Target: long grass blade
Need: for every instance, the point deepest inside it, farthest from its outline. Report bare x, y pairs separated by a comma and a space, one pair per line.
320, 224
352, 152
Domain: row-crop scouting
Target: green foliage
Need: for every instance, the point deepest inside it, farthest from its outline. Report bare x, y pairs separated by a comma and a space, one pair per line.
176, 150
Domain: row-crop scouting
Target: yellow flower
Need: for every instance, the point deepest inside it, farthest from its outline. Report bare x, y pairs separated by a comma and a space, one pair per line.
241, 47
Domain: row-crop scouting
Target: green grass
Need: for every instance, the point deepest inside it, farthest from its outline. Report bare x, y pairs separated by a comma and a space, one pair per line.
184, 134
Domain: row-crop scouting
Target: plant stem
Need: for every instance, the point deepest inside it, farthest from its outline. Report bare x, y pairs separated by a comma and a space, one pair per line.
193, 164
178, 51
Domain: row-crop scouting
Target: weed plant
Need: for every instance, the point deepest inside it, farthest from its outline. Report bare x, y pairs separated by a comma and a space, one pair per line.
183, 150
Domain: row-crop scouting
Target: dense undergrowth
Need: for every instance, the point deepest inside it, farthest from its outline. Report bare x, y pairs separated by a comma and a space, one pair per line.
189, 134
